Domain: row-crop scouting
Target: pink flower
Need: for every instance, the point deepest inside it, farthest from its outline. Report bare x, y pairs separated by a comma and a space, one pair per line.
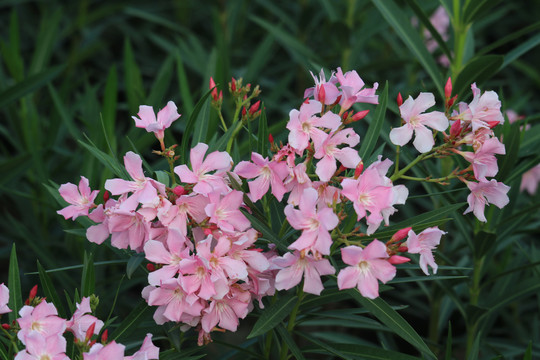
39, 347
369, 192
82, 320
304, 125
156, 252
148, 350
411, 112
483, 110
423, 244
41, 320
266, 173
483, 160
81, 199
530, 180
351, 85
111, 351
324, 92
144, 189
315, 224
296, 183
329, 152
294, 265
225, 312
4, 299
367, 266
483, 193
165, 117
225, 213
205, 182
175, 300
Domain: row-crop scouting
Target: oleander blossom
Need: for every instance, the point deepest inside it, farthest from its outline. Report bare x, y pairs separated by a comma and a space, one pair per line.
368, 266
148, 121
424, 244
412, 112
486, 192
81, 199
4, 299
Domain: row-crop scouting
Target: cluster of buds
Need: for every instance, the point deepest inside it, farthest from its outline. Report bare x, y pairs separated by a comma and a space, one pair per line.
41, 331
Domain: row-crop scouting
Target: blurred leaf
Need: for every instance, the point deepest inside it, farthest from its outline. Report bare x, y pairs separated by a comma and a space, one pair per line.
328, 348
521, 49
109, 107
448, 353
190, 128
476, 8
29, 85
185, 92
395, 16
15, 302
262, 135
11, 52
374, 130
66, 118
478, 70
130, 322
287, 339
426, 217
273, 315
388, 316
50, 292
508, 38
111, 163
161, 83
163, 177
88, 279
528, 352
267, 233
371, 353
415, 279
132, 77
511, 142
484, 242
47, 36
133, 263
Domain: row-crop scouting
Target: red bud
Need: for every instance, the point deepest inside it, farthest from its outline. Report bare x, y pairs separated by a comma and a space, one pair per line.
207, 231
396, 259
104, 336
254, 107
403, 249
322, 94
359, 115
400, 234
399, 99
448, 88
306, 101
179, 190
5, 326
90, 331
233, 85
151, 267
106, 196
244, 111
451, 101
358, 170
492, 124
270, 138
33, 292
455, 129
214, 89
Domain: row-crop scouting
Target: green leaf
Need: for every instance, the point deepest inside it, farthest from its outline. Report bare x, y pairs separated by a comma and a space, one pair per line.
521, 49
132, 77
190, 128
512, 141
14, 285
109, 106
88, 279
163, 177
388, 316
29, 85
267, 233
396, 17
50, 292
221, 144
111, 163
448, 353
322, 345
273, 315
131, 321
427, 217
133, 263
475, 9
185, 92
371, 353
477, 70
287, 339
528, 352
374, 131
161, 83
262, 134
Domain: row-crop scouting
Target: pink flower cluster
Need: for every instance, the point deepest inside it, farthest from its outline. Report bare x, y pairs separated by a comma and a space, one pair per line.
41, 330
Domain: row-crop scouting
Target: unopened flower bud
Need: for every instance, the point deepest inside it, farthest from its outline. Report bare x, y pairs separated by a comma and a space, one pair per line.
359, 115
402, 249
150, 267
358, 170
399, 99
214, 89
492, 124
179, 190
396, 259
254, 108
455, 129
322, 94
207, 231
90, 331
244, 111
33, 293
400, 234
105, 336
448, 88
6, 326
233, 85
270, 139
106, 196
451, 101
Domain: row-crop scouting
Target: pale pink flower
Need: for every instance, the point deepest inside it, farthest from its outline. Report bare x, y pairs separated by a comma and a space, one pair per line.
369, 192
81, 199
165, 117
424, 244
483, 160
39, 347
148, 350
144, 189
225, 312
111, 351
329, 152
530, 180
267, 173
368, 265
296, 183
304, 125
216, 254
225, 212
483, 193
82, 320
128, 228
328, 194
100, 232
42, 320
294, 266
484, 110
351, 86
175, 300
411, 112
315, 224
4, 299
205, 183
201, 278
170, 257
328, 88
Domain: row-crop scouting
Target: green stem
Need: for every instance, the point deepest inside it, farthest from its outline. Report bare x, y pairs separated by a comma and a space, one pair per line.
222, 120
474, 291
233, 136
292, 320
399, 174
436, 180
398, 151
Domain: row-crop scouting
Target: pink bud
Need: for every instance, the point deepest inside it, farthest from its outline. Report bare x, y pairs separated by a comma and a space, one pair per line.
358, 170
492, 124
179, 190
33, 292
106, 196
104, 336
244, 111
448, 88
399, 99
90, 331
233, 85
455, 129
322, 94
214, 89
400, 234
270, 138
220, 95
151, 267
396, 259
254, 107
403, 249
359, 115
5, 326
451, 101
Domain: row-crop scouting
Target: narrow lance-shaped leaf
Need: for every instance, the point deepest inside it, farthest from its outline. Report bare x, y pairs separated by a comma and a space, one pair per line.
88, 279
373, 134
14, 285
50, 292
273, 315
